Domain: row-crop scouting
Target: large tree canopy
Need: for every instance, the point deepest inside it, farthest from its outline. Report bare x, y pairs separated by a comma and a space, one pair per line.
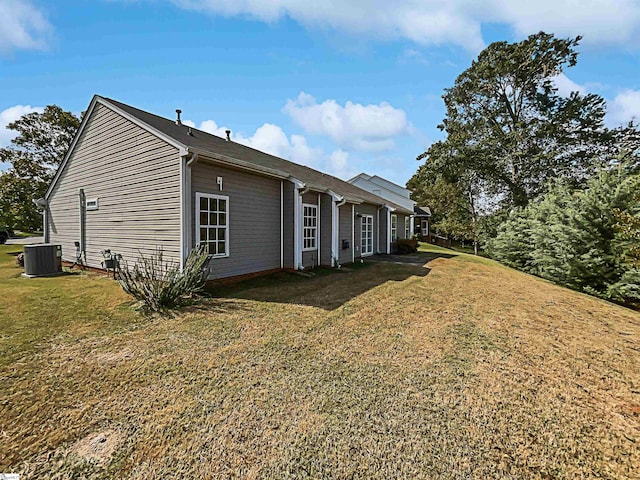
35, 153
507, 125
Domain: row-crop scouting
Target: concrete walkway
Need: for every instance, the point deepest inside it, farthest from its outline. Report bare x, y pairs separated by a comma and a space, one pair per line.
24, 240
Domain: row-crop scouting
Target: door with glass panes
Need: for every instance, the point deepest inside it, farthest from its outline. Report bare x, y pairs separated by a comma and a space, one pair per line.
366, 232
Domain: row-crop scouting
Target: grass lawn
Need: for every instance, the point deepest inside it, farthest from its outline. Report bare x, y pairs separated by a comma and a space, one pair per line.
457, 369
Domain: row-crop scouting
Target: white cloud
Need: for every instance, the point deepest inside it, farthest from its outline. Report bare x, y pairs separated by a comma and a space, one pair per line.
7, 116
566, 86
22, 26
624, 107
434, 22
12, 114
356, 126
270, 138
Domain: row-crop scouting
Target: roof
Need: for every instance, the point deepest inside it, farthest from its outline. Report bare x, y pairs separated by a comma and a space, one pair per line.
425, 211
208, 143
390, 185
378, 186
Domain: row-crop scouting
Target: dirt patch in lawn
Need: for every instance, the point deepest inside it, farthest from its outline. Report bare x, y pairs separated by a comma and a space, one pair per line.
98, 447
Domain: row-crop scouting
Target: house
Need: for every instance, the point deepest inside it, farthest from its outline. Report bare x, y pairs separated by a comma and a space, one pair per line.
422, 216
418, 223
133, 181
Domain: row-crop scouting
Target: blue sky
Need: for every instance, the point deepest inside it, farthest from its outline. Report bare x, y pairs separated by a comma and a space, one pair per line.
342, 86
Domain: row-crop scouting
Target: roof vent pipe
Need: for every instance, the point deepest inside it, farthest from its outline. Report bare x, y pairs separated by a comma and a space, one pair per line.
178, 121
228, 132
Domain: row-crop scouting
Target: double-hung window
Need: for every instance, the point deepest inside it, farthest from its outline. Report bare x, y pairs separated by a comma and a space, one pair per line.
212, 223
394, 227
309, 226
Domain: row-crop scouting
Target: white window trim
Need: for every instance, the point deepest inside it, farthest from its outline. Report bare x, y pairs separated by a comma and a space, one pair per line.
362, 250
407, 227
394, 227
315, 238
198, 226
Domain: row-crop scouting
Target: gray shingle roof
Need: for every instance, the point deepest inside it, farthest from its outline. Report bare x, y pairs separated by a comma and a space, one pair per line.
211, 143
422, 211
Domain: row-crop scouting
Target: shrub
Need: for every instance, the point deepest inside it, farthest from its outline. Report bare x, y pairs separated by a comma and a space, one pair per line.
160, 284
405, 245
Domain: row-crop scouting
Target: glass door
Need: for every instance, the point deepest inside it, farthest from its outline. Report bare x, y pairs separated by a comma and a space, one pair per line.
366, 232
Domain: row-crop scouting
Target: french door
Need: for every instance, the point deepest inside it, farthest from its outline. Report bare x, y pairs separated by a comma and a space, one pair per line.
366, 231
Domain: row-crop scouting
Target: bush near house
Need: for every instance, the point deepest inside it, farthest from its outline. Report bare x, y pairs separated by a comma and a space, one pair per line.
404, 246
159, 284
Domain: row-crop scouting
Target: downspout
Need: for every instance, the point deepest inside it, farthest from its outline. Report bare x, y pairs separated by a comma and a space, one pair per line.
186, 207
353, 233
318, 231
45, 221
44, 204
83, 227
335, 237
389, 210
378, 229
281, 224
299, 189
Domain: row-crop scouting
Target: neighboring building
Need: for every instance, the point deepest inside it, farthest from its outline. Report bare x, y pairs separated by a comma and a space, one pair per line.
421, 221
133, 181
418, 223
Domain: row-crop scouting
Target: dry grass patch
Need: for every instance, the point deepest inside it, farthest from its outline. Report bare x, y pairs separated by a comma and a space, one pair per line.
463, 369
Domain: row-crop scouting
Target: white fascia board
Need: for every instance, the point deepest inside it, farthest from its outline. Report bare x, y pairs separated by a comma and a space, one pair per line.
298, 184
336, 197
361, 175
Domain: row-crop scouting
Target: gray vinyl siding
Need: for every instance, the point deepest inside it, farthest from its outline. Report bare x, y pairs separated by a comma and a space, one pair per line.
136, 178
401, 231
254, 218
344, 233
326, 229
289, 192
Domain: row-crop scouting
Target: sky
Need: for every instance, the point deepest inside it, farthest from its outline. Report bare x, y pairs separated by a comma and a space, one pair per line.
344, 86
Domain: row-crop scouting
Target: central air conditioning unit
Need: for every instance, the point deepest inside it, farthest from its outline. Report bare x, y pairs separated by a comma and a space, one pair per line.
42, 260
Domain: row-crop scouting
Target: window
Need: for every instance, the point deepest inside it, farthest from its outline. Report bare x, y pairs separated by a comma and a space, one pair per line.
407, 227
394, 227
366, 233
212, 221
309, 226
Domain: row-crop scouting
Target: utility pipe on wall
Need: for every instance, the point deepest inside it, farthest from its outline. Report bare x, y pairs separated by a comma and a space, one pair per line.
83, 227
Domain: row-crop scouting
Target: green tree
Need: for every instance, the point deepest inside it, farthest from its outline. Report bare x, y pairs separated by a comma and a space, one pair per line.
573, 236
507, 125
40, 145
